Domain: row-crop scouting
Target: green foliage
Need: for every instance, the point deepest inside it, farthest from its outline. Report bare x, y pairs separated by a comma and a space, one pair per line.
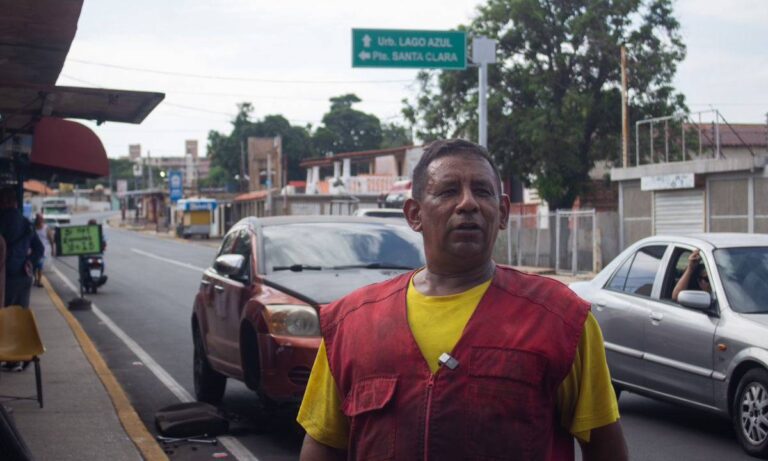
554, 103
394, 135
225, 150
346, 129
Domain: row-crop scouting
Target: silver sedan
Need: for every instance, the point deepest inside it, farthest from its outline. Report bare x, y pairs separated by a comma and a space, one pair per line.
685, 319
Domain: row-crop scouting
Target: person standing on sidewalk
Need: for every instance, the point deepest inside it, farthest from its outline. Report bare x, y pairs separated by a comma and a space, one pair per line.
464, 358
45, 236
22, 246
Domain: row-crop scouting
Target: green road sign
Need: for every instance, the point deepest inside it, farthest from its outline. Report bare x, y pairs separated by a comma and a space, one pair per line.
78, 240
434, 49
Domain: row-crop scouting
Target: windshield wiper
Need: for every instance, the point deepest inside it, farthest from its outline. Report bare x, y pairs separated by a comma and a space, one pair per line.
373, 266
297, 268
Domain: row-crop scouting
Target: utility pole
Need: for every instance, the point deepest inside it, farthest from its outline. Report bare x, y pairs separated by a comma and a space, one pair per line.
483, 53
242, 165
624, 111
149, 170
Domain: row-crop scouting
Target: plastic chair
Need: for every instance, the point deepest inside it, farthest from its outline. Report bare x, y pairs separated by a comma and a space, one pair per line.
20, 342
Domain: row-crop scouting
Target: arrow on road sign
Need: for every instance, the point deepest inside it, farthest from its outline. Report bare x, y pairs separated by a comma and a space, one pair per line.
367, 41
364, 55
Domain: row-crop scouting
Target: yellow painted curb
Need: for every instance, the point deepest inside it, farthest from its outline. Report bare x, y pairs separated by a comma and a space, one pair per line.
136, 430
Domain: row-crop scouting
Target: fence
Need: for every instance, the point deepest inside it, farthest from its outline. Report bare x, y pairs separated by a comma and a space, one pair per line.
567, 241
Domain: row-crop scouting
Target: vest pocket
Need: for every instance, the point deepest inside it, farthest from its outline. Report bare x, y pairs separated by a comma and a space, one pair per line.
508, 409
372, 420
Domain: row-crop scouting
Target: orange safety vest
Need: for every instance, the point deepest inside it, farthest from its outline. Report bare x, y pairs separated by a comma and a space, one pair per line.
496, 398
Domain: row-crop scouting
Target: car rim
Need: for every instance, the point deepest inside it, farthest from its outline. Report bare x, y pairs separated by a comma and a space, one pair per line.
754, 413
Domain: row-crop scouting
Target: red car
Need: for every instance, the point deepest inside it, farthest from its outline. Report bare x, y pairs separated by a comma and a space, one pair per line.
255, 318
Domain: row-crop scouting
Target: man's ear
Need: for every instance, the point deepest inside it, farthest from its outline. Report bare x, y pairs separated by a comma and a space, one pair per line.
412, 210
504, 206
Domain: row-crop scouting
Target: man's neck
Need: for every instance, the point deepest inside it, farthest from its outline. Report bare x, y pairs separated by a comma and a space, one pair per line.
434, 282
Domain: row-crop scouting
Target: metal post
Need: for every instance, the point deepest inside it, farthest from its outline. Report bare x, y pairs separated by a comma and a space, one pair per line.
666, 141
242, 166
653, 159
557, 241
594, 239
575, 256
717, 132
624, 111
699, 130
637, 144
519, 230
509, 240
682, 132
483, 106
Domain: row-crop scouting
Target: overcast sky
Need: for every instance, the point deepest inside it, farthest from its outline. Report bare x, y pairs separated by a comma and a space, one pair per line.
289, 57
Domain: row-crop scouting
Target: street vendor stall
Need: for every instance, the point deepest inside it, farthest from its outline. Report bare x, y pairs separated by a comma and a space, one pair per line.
196, 216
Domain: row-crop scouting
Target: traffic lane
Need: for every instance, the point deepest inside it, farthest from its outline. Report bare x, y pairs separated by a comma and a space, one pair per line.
157, 317
657, 430
150, 300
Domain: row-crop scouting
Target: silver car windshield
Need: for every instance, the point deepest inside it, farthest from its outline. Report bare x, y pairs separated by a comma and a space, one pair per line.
341, 245
744, 274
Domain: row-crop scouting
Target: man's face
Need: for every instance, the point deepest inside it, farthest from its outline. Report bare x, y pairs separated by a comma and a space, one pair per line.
460, 214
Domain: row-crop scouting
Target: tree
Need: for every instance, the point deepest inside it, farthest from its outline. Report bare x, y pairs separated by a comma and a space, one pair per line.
225, 149
394, 135
346, 129
554, 102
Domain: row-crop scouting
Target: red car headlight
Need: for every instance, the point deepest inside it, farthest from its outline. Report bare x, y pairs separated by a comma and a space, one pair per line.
292, 320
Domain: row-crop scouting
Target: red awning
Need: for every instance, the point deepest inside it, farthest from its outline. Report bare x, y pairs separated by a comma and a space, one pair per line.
66, 149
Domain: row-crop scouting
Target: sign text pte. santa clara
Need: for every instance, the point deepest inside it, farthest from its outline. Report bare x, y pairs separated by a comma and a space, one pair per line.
409, 48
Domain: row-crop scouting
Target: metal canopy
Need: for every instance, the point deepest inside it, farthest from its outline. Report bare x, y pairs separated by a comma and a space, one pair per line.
23, 104
35, 38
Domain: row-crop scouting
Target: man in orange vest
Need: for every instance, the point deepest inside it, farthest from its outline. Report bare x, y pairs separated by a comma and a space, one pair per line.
462, 359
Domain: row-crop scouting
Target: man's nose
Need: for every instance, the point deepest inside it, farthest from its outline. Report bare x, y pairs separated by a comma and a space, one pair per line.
467, 200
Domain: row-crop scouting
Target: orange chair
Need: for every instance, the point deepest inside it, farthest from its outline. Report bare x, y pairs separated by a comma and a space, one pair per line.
20, 342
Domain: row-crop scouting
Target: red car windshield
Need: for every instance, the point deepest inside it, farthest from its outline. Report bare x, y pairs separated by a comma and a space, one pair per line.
317, 246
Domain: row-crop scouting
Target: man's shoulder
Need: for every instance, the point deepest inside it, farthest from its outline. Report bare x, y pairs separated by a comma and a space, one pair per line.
361, 298
547, 292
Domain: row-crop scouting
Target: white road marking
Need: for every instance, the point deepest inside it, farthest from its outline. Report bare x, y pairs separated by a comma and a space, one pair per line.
237, 449
168, 260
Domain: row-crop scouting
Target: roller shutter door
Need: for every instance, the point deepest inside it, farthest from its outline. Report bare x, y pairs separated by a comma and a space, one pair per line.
678, 212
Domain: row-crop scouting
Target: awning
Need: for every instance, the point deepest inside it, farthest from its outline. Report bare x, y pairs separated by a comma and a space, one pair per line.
62, 149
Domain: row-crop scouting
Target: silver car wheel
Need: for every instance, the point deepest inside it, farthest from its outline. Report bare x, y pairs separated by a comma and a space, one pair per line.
753, 412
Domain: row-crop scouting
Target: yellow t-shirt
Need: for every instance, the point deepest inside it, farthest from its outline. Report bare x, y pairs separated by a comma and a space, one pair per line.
585, 398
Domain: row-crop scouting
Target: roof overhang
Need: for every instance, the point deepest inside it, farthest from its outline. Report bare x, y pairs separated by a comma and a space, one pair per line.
23, 104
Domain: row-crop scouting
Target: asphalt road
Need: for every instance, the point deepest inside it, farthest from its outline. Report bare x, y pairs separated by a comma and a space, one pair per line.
148, 300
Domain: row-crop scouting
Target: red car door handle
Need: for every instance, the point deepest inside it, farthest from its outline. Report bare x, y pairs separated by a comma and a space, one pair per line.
218, 288
656, 316
205, 283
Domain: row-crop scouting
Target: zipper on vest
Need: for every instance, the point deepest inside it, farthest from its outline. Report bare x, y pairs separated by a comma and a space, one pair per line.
430, 386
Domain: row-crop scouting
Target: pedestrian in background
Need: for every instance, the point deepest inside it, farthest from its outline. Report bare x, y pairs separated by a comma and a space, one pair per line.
45, 235
461, 359
22, 247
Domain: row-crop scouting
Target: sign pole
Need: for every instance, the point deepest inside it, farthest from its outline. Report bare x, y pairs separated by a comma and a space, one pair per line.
483, 53
483, 106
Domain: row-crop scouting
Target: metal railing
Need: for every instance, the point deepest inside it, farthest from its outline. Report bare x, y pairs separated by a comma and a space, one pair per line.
564, 241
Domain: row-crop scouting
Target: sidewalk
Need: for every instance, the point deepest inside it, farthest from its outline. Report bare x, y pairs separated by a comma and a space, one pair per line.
86, 414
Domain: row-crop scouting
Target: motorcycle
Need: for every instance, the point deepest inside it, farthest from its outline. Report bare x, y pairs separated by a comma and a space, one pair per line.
91, 273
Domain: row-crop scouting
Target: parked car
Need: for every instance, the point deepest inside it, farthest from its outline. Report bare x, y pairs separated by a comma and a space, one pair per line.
255, 317
380, 212
708, 350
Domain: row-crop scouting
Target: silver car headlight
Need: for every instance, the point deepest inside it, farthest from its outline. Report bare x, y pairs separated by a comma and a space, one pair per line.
292, 320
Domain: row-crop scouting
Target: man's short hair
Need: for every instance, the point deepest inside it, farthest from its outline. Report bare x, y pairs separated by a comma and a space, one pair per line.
443, 148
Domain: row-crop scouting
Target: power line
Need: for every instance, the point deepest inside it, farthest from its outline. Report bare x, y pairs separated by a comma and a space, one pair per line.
240, 79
